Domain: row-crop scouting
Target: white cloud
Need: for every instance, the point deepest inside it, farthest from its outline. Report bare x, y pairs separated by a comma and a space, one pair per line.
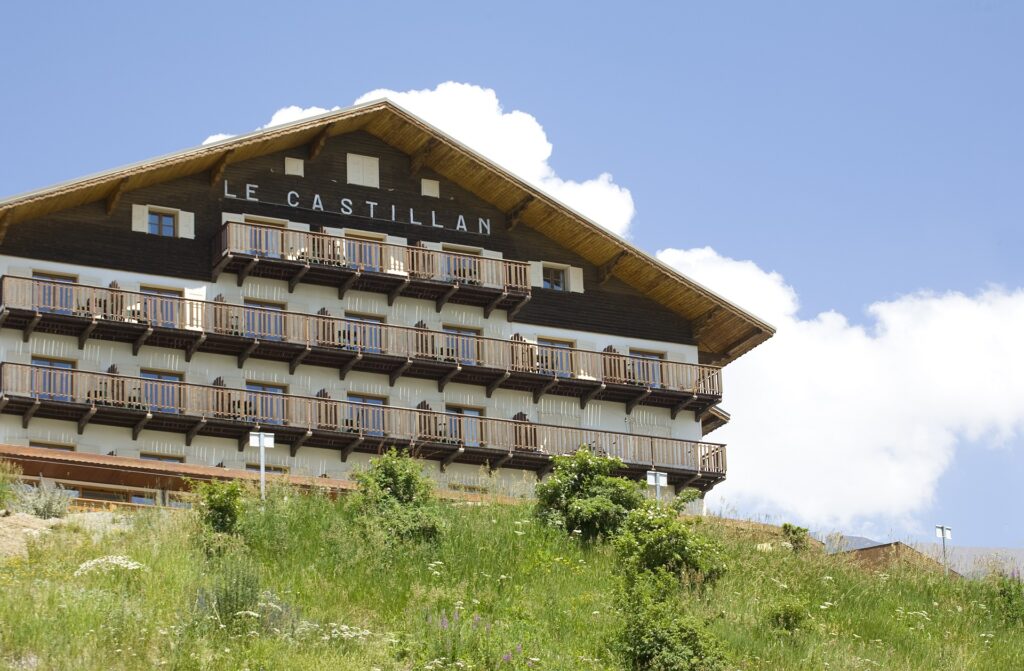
281, 116
839, 425
516, 141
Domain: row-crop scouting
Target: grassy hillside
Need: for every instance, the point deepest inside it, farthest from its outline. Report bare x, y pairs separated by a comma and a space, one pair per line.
307, 583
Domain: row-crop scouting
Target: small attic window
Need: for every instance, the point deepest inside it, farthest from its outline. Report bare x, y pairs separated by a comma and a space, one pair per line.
363, 170
294, 166
430, 188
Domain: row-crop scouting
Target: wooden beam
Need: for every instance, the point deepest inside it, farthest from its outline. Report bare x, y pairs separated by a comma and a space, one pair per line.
297, 277
29, 412
115, 195
244, 355
4, 400
4, 313
489, 308
5, 223
317, 145
26, 333
396, 292
140, 425
500, 462
347, 451
680, 486
217, 171
347, 368
633, 402
543, 389
497, 382
222, 263
300, 442
419, 157
83, 421
519, 306
245, 270
682, 405
447, 461
190, 436
514, 216
141, 340
443, 382
736, 346
604, 271
589, 396
447, 295
399, 372
194, 346
701, 323
546, 468
347, 284
298, 358
83, 337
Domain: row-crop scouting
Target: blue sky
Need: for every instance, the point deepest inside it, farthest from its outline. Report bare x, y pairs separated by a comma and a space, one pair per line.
863, 150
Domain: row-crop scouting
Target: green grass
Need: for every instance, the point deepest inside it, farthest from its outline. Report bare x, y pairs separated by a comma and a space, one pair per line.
496, 585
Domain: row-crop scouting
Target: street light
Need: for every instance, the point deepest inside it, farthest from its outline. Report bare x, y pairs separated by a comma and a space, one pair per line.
264, 441
945, 533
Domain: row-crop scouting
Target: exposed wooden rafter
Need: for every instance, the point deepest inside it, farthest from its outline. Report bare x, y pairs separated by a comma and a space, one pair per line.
297, 277
300, 441
5, 222
193, 347
501, 462
83, 337
140, 425
399, 372
497, 382
635, 401
141, 340
347, 284
700, 324
83, 421
349, 365
29, 412
317, 145
217, 171
489, 308
447, 461
419, 157
544, 388
347, 451
589, 396
604, 271
115, 195
397, 291
443, 382
298, 359
247, 352
26, 333
514, 216
194, 431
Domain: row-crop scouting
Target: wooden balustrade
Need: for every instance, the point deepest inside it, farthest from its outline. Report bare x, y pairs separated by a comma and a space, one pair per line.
325, 414
267, 324
271, 242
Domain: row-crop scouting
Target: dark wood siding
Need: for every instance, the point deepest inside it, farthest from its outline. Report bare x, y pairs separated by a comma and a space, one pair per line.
87, 236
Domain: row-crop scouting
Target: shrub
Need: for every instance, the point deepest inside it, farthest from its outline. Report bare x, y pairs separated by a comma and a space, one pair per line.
1009, 597
582, 496
396, 499
47, 500
787, 613
397, 476
656, 636
795, 536
684, 498
220, 504
10, 476
653, 539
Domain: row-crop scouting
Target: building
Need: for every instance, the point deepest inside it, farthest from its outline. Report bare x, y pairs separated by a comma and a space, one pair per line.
348, 282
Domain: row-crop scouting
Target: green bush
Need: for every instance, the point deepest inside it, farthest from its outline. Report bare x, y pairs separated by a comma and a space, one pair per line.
220, 504
786, 613
47, 500
395, 500
657, 636
653, 539
396, 476
795, 536
10, 476
583, 497
1008, 597
684, 498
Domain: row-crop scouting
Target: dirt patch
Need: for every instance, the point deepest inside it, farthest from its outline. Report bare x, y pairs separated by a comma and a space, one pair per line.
18, 529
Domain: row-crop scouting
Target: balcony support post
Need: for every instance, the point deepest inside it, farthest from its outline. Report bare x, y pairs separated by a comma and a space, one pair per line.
399, 372
446, 296
680, 486
247, 269
518, 306
190, 350
500, 462
222, 263
347, 284
243, 440
247, 352
298, 358
682, 405
29, 412
297, 277
30, 326
86, 332
141, 340
140, 425
4, 313
443, 382
397, 291
489, 308
84, 419
635, 401
544, 388
591, 393
300, 441
347, 451
349, 365
4, 400
497, 382
190, 436
447, 461
546, 468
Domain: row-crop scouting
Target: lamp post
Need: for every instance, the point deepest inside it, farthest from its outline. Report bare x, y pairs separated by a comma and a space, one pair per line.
945, 533
264, 441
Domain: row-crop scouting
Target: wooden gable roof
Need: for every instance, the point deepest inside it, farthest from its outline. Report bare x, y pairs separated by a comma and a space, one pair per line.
723, 331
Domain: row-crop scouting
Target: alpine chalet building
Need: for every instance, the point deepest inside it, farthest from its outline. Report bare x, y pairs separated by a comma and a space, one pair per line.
350, 282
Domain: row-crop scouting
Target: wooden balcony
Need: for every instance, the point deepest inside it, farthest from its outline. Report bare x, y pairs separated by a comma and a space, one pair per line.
193, 410
369, 265
344, 344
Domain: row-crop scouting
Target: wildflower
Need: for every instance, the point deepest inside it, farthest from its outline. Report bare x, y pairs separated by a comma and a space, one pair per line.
107, 564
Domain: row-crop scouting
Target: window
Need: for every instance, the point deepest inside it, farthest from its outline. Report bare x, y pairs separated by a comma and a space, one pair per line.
155, 456
162, 223
363, 170
364, 250
555, 357
363, 333
263, 320
554, 278
268, 468
52, 381
160, 307
461, 264
647, 367
431, 188
53, 293
368, 416
465, 425
294, 166
460, 344
161, 391
52, 446
266, 402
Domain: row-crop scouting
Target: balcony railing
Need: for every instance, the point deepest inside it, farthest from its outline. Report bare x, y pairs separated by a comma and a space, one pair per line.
404, 264
351, 336
322, 420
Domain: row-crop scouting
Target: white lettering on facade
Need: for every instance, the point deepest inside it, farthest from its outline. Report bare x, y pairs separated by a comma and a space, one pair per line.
317, 203
483, 226
372, 205
228, 194
250, 192
460, 225
293, 198
412, 218
346, 206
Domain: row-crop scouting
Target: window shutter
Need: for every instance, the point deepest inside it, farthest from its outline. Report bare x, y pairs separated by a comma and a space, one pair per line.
186, 225
140, 218
575, 279
536, 274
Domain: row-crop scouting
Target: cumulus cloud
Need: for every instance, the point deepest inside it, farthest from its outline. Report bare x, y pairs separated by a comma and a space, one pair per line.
840, 425
281, 116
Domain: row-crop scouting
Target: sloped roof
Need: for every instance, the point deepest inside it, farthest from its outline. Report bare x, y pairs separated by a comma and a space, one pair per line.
723, 330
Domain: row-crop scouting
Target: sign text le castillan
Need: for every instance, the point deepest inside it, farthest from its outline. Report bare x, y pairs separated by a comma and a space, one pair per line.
365, 208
